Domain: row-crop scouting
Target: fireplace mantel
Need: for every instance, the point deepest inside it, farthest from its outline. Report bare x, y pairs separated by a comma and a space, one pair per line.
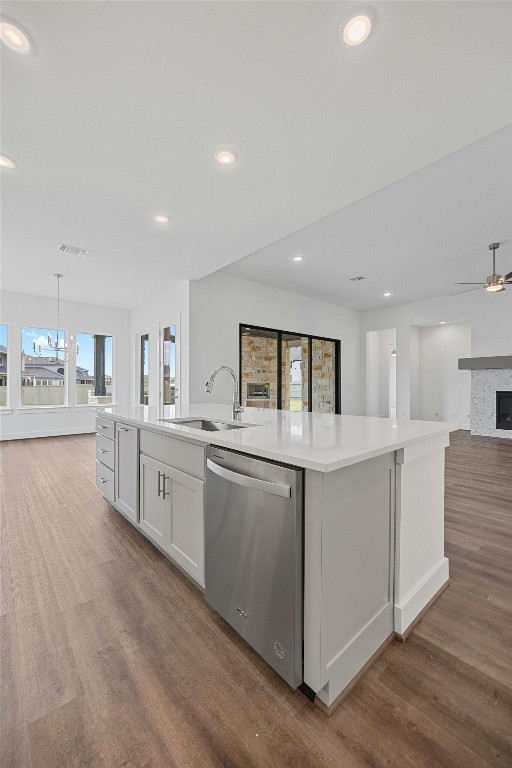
485, 363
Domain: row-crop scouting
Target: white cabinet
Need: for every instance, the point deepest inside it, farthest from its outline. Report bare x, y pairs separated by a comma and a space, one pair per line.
171, 514
127, 471
105, 451
105, 481
185, 534
105, 457
153, 509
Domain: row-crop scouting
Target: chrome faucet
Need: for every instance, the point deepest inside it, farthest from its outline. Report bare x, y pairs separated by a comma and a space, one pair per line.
237, 409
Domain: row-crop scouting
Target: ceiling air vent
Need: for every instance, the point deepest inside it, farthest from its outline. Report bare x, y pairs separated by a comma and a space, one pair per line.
359, 277
73, 250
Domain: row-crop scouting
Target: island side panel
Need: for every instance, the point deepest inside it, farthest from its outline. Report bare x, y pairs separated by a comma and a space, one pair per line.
421, 569
357, 510
313, 500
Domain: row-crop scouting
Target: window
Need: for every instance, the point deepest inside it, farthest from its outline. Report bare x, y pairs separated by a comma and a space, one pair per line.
295, 372
93, 384
43, 373
3, 366
144, 369
169, 365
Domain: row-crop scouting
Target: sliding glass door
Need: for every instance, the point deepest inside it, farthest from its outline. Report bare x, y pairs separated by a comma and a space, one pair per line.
290, 371
323, 367
259, 351
294, 372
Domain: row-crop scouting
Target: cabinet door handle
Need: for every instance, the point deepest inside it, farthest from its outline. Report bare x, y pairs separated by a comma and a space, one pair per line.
103, 450
102, 480
165, 493
102, 426
159, 489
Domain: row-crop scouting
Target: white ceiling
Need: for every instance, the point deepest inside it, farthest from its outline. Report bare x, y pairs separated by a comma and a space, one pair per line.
414, 238
119, 110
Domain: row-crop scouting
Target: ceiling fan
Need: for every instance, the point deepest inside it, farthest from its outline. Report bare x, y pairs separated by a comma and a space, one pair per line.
494, 283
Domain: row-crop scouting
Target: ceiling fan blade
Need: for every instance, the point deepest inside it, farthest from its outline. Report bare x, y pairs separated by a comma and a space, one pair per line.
468, 290
507, 277
470, 284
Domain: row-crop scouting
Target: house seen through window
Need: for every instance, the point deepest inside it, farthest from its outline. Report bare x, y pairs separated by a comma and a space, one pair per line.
93, 369
43, 372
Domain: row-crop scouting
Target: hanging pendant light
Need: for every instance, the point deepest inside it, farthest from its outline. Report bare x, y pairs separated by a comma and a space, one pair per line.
57, 348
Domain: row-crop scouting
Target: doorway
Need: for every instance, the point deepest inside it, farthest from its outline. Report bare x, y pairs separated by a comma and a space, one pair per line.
444, 392
381, 357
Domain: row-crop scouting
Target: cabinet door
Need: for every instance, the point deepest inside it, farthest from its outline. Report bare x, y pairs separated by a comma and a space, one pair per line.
185, 533
127, 471
152, 506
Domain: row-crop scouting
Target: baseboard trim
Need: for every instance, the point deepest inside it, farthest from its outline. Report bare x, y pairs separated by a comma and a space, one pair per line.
45, 433
330, 709
409, 608
404, 635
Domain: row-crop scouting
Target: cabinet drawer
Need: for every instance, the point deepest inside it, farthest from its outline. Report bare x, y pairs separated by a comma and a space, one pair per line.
176, 453
105, 481
105, 451
105, 427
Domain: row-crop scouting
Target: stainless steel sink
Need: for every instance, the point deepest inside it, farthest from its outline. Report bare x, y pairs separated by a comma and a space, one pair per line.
204, 424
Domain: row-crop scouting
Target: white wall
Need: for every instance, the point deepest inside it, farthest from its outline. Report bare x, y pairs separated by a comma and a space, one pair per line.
146, 318
378, 364
444, 391
219, 302
18, 310
490, 317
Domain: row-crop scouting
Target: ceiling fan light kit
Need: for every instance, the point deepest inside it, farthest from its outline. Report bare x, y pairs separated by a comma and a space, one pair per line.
494, 283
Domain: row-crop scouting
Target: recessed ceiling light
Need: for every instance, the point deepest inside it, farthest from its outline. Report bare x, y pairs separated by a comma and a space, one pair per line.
387, 294
298, 257
443, 322
161, 218
7, 162
14, 38
356, 30
225, 157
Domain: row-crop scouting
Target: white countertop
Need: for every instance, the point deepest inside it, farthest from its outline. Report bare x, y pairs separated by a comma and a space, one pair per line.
319, 441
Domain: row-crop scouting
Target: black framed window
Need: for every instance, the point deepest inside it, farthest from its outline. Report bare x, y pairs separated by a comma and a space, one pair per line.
94, 372
289, 371
144, 369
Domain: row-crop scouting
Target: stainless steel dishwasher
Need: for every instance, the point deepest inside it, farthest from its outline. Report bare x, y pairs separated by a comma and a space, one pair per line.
253, 554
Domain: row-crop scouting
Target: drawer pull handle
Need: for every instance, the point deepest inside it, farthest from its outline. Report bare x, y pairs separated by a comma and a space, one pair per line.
123, 429
103, 450
103, 480
102, 426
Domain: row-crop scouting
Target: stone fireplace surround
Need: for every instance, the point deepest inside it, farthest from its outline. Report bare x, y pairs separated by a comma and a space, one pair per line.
488, 376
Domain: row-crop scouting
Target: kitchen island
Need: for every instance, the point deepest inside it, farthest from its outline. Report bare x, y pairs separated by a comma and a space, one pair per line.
373, 515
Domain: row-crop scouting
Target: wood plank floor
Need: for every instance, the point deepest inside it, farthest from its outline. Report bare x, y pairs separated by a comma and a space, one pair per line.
109, 657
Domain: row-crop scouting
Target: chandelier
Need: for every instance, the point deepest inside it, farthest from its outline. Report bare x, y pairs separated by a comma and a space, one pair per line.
57, 348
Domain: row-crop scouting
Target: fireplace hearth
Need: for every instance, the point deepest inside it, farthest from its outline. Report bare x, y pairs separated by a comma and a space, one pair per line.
504, 410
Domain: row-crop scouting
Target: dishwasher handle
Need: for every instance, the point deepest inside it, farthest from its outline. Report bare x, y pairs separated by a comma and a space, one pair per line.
276, 489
